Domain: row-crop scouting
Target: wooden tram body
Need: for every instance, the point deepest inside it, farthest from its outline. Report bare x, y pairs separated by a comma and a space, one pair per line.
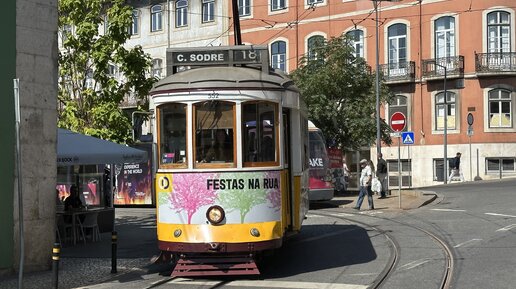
231, 143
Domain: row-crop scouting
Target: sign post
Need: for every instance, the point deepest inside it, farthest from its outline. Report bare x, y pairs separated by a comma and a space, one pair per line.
398, 120
470, 120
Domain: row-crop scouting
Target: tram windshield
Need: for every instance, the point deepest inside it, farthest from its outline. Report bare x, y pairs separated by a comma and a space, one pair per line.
214, 132
259, 132
173, 134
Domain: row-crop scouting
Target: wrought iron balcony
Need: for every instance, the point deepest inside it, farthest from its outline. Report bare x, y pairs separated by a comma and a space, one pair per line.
398, 72
495, 63
434, 68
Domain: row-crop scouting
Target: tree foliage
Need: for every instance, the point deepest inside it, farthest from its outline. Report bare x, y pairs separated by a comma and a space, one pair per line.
339, 90
89, 94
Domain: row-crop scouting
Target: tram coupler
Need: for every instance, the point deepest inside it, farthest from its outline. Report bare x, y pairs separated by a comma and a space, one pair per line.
56, 251
114, 240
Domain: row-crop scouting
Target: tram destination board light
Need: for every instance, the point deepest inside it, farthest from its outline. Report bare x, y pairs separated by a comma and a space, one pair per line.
247, 55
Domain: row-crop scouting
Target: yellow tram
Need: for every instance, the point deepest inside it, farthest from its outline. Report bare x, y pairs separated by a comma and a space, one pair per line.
231, 155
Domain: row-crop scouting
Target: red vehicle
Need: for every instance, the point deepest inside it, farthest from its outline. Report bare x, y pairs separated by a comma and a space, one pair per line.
320, 181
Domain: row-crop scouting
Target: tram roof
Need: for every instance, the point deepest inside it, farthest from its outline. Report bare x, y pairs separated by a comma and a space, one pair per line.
224, 78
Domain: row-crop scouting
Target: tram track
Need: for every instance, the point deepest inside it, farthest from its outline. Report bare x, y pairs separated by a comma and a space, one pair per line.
390, 266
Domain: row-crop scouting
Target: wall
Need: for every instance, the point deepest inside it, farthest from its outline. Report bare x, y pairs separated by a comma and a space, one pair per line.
36, 67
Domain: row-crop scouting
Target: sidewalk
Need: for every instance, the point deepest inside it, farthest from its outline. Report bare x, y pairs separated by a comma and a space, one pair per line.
87, 264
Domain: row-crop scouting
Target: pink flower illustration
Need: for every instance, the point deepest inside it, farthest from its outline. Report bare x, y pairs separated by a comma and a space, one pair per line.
190, 193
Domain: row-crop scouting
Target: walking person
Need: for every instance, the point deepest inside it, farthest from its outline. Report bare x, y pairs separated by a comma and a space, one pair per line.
455, 168
366, 177
381, 173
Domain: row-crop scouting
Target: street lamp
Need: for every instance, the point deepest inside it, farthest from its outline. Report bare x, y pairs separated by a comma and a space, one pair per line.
377, 81
445, 131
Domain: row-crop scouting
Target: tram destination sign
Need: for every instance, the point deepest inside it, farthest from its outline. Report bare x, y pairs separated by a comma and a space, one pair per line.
214, 57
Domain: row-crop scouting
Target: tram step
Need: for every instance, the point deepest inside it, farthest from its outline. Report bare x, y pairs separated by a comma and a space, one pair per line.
215, 265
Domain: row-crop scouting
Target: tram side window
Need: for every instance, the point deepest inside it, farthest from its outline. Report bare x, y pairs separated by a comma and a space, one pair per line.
259, 132
214, 127
173, 133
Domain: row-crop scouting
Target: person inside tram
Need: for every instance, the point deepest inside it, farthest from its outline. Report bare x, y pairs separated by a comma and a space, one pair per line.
175, 142
267, 146
221, 149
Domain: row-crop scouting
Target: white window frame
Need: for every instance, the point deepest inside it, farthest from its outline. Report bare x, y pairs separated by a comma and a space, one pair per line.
135, 24
277, 5
495, 97
485, 30
449, 106
455, 127
394, 66
181, 13
487, 111
157, 68
500, 40
444, 38
156, 18
208, 11
357, 43
244, 8
279, 60
310, 36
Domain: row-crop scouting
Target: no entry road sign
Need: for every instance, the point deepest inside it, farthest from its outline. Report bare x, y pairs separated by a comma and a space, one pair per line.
398, 121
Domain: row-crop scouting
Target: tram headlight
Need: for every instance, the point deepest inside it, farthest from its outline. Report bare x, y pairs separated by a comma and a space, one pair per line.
215, 214
177, 233
254, 232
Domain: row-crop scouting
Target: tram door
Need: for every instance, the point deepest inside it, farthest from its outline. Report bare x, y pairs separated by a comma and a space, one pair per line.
288, 166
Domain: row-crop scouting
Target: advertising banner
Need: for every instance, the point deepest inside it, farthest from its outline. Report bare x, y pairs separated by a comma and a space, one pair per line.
246, 197
134, 182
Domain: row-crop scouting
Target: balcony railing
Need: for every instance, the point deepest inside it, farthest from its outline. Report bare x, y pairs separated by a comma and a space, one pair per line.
495, 63
398, 72
434, 68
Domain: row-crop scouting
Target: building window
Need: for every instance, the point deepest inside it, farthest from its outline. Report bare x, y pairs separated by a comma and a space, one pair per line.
244, 7
445, 37
157, 67
172, 139
439, 169
499, 32
357, 41
397, 37
259, 133
313, 43
181, 13
66, 32
403, 176
279, 55
277, 5
500, 165
134, 28
112, 71
500, 108
313, 2
156, 18
443, 106
399, 104
106, 25
208, 11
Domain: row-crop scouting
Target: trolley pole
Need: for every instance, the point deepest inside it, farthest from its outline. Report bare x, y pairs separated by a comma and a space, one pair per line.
114, 239
399, 169
56, 250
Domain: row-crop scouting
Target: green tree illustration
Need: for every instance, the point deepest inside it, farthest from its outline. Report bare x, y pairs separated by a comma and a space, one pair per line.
245, 199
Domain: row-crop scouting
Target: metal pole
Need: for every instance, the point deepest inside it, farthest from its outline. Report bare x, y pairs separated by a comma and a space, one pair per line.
470, 161
399, 169
445, 142
168, 23
236, 23
56, 251
16, 83
377, 84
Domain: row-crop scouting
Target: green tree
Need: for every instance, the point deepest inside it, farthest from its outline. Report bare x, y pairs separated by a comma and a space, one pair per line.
338, 89
89, 93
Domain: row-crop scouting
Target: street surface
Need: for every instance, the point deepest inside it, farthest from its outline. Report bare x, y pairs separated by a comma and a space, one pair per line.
340, 248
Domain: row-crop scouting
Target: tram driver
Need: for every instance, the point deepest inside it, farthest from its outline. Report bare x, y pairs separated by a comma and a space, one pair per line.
221, 149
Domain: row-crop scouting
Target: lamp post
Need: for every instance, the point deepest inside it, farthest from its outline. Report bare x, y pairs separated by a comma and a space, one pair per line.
445, 131
377, 84
377, 80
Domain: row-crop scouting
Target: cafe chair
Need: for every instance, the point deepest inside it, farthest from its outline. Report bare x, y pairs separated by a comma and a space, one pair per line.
90, 224
63, 229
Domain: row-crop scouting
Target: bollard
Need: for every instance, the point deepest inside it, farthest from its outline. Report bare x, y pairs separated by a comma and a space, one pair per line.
114, 239
56, 250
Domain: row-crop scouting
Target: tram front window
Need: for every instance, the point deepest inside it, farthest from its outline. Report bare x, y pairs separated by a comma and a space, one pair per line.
259, 132
173, 133
214, 131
